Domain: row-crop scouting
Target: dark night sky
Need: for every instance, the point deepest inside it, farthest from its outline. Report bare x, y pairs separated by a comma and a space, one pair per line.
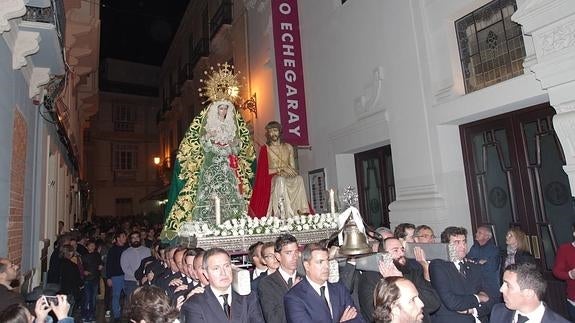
139, 30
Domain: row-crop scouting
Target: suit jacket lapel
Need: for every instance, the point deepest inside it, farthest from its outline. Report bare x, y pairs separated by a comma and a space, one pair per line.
214, 305
278, 279
315, 299
237, 310
334, 300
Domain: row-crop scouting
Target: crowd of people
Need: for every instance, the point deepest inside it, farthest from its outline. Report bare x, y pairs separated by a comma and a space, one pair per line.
144, 280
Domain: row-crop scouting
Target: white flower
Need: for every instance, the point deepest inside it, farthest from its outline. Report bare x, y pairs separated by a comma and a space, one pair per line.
258, 230
316, 219
217, 232
267, 231
270, 221
241, 232
290, 220
225, 233
306, 226
250, 231
234, 232
243, 222
298, 227
227, 225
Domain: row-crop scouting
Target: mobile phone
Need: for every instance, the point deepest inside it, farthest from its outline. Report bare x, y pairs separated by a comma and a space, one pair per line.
51, 300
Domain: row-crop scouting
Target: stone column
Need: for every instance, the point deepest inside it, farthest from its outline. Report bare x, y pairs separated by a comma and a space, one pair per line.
551, 25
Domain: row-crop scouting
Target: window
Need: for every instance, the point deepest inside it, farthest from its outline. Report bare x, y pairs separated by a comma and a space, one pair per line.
491, 46
125, 157
124, 117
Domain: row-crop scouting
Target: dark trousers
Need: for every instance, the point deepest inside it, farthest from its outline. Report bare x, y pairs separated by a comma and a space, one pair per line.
90, 293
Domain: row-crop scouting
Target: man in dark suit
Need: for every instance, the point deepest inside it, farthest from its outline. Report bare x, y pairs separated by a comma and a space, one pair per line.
523, 287
401, 266
458, 283
316, 300
219, 303
272, 288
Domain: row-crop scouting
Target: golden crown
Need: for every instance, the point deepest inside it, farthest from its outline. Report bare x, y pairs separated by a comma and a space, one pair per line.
222, 84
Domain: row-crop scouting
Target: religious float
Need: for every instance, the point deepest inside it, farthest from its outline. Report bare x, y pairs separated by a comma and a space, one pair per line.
210, 194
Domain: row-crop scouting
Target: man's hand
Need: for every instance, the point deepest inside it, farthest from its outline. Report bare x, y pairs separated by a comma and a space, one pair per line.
197, 290
109, 282
63, 307
42, 309
483, 297
181, 287
176, 282
482, 261
571, 273
180, 301
388, 270
349, 314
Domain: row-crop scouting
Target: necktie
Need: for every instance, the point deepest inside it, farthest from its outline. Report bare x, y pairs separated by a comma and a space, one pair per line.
290, 282
522, 318
462, 268
322, 292
226, 305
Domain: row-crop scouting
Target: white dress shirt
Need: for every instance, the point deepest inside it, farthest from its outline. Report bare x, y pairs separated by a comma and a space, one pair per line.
534, 317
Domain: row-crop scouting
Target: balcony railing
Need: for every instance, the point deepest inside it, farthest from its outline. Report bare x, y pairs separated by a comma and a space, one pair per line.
202, 49
54, 14
223, 16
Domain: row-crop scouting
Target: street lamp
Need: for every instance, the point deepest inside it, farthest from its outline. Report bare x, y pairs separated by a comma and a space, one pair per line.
157, 161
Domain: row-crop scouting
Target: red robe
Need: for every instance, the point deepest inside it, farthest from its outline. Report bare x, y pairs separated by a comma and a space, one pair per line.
262, 186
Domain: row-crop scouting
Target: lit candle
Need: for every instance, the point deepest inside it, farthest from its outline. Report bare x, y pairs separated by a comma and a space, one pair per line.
217, 208
331, 201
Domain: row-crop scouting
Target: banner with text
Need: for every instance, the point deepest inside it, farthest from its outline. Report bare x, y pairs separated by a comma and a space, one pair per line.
289, 69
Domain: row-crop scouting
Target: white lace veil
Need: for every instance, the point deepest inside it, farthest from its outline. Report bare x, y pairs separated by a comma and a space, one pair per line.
222, 132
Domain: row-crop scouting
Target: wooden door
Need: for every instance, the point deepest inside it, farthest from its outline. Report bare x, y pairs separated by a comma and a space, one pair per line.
515, 178
376, 187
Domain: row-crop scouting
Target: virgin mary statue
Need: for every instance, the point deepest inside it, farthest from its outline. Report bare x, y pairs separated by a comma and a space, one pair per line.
214, 159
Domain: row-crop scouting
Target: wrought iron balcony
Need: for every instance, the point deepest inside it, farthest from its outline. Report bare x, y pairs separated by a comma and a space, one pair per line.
223, 16
54, 14
201, 49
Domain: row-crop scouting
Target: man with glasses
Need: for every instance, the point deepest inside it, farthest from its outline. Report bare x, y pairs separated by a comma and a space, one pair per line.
485, 253
219, 303
269, 260
424, 234
273, 287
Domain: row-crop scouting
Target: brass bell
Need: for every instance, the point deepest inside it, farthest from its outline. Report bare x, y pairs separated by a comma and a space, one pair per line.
354, 241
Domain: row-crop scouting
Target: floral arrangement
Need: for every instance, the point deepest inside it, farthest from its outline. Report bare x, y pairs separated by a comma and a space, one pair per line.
265, 225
